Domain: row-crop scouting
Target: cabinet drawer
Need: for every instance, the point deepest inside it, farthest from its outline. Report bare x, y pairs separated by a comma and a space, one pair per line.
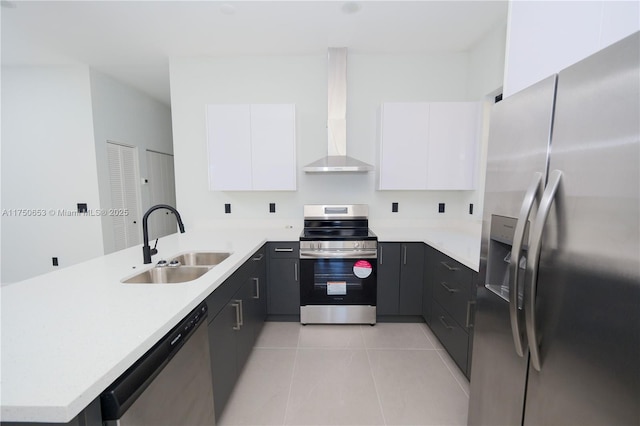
287, 250
452, 287
451, 335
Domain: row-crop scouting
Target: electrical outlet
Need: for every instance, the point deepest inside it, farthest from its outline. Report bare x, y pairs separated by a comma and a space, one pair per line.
272, 207
227, 208
394, 207
54, 260
440, 207
471, 208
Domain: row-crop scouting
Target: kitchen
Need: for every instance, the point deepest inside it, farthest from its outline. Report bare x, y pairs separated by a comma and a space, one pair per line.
201, 208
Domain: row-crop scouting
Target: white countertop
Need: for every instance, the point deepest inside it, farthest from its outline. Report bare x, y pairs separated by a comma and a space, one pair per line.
69, 334
458, 241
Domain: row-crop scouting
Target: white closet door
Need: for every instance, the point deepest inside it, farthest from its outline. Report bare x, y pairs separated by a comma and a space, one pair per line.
404, 145
273, 151
161, 191
229, 143
454, 133
125, 195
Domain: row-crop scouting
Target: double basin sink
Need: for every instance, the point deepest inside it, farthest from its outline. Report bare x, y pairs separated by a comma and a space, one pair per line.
188, 267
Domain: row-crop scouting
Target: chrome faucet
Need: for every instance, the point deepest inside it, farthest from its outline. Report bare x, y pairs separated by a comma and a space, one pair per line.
147, 251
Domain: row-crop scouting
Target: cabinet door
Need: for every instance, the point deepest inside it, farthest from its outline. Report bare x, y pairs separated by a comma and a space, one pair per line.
245, 336
427, 284
284, 275
222, 349
229, 144
404, 145
273, 148
411, 270
259, 291
388, 279
454, 135
284, 286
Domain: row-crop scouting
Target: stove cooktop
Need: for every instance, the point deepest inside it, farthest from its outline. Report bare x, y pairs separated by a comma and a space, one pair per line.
324, 234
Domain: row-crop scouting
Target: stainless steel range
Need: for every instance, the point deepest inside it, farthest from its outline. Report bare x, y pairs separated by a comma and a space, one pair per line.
338, 256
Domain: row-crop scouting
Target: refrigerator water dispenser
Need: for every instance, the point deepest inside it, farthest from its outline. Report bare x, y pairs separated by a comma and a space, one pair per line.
499, 257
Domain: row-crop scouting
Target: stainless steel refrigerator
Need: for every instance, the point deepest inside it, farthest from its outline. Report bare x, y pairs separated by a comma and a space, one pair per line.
557, 332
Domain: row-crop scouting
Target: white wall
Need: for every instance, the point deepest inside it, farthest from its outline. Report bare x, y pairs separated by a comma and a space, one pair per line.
48, 163
125, 115
545, 37
486, 63
302, 80
486, 73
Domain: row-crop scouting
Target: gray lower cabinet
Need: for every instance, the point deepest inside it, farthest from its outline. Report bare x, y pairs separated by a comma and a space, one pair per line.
449, 307
237, 311
427, 284
400, 278
284, 278
258, 292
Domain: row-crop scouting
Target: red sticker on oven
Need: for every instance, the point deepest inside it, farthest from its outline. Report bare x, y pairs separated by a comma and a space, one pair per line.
362, 269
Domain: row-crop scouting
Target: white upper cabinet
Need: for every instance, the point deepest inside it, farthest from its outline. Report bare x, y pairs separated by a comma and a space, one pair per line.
273, 147
251, 147
229, 140
404, 147
454, 136
429, 146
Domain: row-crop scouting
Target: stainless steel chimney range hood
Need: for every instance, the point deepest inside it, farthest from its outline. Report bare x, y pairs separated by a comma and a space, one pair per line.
337, 159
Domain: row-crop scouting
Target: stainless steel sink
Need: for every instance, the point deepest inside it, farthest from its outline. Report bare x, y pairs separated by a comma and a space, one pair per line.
192, 265
168, 275
199, 258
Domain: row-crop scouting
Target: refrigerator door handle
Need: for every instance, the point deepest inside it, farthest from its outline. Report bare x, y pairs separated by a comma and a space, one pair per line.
532, 266
534, 192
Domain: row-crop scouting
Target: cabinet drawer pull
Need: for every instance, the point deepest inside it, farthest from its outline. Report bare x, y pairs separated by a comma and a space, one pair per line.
259, 257
237, 308
449, 289
451, 268
283, 249
404, 255
295, 271
241, 313
257, 281
470, 303
447, 326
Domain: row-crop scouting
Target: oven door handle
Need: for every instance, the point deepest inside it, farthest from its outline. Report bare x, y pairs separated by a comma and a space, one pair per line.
360, 254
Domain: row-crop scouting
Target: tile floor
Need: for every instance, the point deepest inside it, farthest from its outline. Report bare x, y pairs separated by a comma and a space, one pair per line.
388, 374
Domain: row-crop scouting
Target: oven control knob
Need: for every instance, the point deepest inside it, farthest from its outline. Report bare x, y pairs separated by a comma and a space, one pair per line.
356, 245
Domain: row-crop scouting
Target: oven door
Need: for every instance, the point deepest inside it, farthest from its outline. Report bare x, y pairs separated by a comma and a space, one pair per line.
338, 281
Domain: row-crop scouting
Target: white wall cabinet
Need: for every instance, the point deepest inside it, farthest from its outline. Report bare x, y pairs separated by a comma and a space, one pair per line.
251, 147
429, 145
404, 147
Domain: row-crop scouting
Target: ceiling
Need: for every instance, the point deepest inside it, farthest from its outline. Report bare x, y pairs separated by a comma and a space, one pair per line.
133, 40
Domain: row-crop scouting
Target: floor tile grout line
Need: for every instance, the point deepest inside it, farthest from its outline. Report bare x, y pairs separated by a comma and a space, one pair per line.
455, 376
373, 377
428, 337
293, 372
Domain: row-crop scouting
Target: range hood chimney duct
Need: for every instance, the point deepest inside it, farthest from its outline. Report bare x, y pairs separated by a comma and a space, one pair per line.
336, 159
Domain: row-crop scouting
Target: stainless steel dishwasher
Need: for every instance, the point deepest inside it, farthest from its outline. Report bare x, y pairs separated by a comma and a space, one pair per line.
170, 384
